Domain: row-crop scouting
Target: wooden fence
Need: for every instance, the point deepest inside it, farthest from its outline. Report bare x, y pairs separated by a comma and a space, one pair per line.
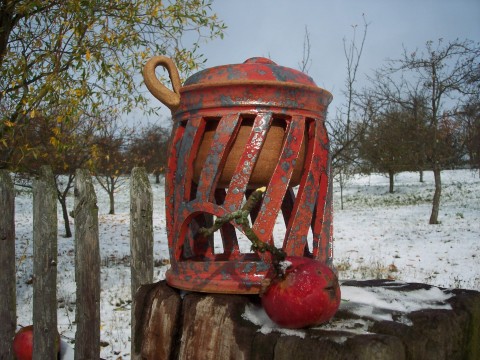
87, 260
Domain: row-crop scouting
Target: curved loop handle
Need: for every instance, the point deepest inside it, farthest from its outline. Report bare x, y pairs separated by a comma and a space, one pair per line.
169, 98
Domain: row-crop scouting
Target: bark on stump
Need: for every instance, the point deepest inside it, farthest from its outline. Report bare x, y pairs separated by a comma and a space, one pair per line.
177, 325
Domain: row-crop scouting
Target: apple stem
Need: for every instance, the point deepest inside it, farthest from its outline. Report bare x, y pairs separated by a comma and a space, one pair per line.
241, 218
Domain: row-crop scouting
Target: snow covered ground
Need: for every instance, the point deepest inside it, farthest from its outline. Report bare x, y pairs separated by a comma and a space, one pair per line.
382, 235
377, 235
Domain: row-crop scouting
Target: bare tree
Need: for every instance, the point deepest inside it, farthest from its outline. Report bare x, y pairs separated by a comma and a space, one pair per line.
306, 62
469, 115
387, 92
109, 159
343, 135
388, 145
353, 53
64, 145
149, 149
447, 73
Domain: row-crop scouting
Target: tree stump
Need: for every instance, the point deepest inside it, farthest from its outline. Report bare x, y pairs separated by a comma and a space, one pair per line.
176, 325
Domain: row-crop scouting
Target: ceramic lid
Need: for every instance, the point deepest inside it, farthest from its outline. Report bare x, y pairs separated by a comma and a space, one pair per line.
254, 69
258, 84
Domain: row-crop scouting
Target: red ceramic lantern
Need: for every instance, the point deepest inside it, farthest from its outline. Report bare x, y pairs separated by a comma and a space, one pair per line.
238, 127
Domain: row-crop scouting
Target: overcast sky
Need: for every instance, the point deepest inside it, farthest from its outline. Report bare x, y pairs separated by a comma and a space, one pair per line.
276, 28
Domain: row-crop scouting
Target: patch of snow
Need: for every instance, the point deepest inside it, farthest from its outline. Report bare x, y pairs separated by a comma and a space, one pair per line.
284, 265
66, 351
381, 303
377, 235
353, 326
258, 316
375, 303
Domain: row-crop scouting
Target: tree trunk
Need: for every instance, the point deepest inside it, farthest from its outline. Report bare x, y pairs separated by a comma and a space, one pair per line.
157, 178
62, 199
341, 191
391, 181
8, 316
45, 266
66, 219
436, 195
8, 22
112, 201
421, 176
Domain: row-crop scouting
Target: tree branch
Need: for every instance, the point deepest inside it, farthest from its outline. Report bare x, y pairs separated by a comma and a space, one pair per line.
241, 218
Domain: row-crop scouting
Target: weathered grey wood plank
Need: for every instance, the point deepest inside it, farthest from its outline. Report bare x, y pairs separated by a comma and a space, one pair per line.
141, 236
8, 317
45, 265
87, 268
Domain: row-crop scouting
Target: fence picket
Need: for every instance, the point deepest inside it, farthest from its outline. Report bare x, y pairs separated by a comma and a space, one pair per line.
45, 265
8, 317
87, 260
87, 268
141, 239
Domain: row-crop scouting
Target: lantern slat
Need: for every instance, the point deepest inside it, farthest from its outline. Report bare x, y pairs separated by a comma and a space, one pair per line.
244, 168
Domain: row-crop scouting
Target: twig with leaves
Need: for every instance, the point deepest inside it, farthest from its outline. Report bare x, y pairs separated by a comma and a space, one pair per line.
241, 218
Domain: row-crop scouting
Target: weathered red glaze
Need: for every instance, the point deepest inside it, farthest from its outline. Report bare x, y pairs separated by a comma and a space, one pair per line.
258, 82
222, 99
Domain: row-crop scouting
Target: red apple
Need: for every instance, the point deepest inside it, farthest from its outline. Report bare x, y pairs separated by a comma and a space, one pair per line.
308, 294
23, 343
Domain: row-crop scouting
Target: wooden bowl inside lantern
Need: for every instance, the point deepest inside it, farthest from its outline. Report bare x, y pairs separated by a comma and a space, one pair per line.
256, 85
